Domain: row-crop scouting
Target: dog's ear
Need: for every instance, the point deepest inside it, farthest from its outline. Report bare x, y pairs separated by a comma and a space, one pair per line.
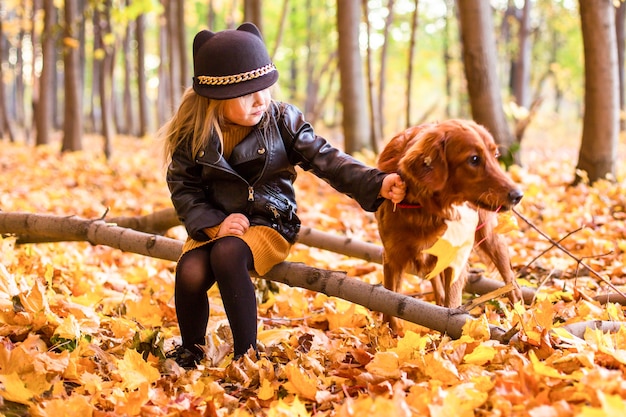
389, 158
426, 160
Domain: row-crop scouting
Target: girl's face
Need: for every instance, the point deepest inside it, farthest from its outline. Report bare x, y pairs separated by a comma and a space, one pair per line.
247, 110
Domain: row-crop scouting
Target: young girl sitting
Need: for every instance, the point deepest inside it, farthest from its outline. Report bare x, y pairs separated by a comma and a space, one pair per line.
232, 153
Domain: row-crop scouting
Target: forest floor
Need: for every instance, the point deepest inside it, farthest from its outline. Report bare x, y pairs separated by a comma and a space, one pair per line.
82, 327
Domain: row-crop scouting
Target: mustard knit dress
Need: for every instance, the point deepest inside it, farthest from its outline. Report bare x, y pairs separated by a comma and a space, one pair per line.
267, 245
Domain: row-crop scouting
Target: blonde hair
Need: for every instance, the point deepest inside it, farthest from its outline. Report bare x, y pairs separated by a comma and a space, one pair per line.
196, 119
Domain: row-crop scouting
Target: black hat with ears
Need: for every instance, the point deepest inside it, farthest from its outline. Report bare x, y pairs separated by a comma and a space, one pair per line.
231, 63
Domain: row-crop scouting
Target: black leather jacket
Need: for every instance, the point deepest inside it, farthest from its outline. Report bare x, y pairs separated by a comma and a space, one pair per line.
257, 180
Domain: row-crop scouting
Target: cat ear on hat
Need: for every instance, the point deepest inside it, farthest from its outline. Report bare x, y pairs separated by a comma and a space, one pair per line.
200, 39
250, 28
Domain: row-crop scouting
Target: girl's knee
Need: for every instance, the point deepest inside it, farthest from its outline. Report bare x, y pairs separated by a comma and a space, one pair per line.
230, 254
193, 272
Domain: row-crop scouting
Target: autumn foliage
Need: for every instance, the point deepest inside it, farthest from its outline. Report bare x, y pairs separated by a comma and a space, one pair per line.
83, 328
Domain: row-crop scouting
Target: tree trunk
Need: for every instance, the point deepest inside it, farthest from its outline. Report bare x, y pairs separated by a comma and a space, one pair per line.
281, 28
165, 104
106, 79
355, 123
376, 132
598, 149
5, 123
174, 23
142, 90
252, 12
447, 57
409, 75
521, 81
126, 111
95, 113
480, 64
184, 74
45, 98
310, 96
20, 103
73, 117
620, 35
383, 65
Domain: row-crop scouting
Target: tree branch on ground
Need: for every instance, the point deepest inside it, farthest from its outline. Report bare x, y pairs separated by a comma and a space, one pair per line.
570, 254
332, 283
161, 221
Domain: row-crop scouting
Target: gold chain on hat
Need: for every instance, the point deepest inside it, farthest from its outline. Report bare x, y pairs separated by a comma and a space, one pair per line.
237, 78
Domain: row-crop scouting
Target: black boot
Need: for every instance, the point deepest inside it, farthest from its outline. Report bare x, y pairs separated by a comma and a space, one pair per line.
185, 358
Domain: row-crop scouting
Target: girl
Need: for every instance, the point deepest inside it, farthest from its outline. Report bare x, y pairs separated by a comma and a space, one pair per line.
232, 153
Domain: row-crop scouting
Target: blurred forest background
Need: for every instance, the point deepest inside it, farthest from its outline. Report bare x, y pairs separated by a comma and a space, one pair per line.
363, 70
84, 326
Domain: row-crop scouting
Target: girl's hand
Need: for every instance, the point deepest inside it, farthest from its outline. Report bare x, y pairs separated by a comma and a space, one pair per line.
235, 224
393, 188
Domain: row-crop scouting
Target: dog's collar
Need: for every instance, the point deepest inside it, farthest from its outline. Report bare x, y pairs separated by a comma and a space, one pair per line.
409, 206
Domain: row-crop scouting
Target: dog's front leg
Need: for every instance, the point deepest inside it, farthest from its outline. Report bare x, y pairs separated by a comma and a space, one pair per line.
392, 279
454, 287
496, 250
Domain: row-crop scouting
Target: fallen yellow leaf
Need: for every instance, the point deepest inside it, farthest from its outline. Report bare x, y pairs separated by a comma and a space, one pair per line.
300, 382
14, 389
134, 371
385, 364
266, 391
481, 355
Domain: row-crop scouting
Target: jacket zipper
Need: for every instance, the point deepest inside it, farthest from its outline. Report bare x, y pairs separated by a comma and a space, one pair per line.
233, 172
274, 211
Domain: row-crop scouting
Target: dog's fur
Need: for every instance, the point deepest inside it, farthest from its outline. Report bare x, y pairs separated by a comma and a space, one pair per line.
443, 165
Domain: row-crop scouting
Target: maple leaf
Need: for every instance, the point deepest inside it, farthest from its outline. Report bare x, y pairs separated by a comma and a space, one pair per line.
300, 381
541, 368
343, 314
374, 407
476, 330
14, 389
266, 390
135, 371
385, 364
284, 409
453, 248
412, 345
460, 400
75, 406
481, 355
440, 368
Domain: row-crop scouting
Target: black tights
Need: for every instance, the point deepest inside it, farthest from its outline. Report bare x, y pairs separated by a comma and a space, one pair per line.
227, 262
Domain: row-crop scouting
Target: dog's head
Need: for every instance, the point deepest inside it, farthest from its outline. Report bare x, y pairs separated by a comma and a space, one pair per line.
453, 161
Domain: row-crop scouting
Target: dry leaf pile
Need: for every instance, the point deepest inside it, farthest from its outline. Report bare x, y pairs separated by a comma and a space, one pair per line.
83, 329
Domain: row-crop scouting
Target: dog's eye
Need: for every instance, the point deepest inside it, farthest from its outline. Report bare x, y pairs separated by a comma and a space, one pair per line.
474, 160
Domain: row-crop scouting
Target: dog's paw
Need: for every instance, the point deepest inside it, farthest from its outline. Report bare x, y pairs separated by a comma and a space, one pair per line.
395, 325
516, 294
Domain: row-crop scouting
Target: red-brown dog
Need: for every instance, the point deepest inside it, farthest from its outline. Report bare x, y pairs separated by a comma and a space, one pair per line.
444, 165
